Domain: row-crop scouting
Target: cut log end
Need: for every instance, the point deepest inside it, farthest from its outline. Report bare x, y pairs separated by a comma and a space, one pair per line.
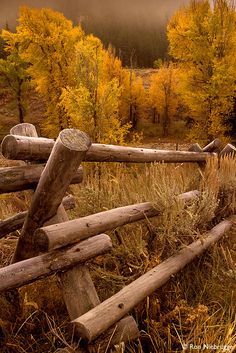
75, 140
82, 331
8, 147
24, 129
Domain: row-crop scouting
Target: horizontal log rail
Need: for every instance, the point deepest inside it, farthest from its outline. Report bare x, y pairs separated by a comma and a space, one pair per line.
58, 235
16, 222
27, 177
39, 149
94, 322
27, 271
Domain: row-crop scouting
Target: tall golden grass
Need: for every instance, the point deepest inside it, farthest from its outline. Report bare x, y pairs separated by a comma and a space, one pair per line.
195, 308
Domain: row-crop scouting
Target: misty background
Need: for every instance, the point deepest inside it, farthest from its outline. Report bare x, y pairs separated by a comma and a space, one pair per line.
135, 28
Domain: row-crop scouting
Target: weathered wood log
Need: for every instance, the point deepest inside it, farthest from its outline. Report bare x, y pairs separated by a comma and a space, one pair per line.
24, 129
213, 146
27, 271
228, 149
66, 156
125, 330
195, 148
38, 149
26, 177
55, 236
80, 295
16, 222
78, 290
68, 202
97, 320
27, 148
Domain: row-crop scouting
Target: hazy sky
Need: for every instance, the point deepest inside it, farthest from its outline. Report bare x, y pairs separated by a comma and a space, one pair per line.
75, 9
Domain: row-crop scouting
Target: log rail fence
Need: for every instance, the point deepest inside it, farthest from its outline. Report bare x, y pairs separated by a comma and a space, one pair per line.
50, 243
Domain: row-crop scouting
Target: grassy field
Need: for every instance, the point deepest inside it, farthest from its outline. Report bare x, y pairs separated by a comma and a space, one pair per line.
194, 308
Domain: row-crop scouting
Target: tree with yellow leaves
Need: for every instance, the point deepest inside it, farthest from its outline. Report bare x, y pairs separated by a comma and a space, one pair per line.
202, 38
14, 78
78, 79
46, 41
163, 95
133, 98
93, 102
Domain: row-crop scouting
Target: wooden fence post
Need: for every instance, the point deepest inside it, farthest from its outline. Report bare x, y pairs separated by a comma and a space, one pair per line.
67, 154
24, 129
77, 286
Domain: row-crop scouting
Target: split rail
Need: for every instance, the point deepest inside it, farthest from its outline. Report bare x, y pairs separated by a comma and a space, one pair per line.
51, 243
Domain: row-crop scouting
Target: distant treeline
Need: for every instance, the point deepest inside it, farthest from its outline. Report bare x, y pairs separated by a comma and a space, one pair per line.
137, 43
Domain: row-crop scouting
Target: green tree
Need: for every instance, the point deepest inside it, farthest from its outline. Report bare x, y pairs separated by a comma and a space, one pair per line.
203, 40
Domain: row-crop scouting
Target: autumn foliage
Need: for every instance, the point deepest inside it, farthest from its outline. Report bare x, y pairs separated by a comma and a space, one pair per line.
203, 40
84, 85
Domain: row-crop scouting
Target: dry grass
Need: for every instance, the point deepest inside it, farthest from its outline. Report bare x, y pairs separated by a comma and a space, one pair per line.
195, 307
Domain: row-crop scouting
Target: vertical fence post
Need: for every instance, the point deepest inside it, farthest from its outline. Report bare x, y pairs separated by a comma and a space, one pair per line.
77, 286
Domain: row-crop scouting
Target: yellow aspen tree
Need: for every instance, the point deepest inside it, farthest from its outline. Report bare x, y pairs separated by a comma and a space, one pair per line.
164, 98
202, 39
14, 78
46, 41
133, 98
92, 104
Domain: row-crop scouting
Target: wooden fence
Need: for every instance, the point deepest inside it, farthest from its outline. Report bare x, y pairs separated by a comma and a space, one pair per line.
50, 243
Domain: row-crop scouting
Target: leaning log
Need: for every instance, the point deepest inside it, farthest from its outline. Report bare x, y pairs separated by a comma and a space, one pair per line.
16, 222
229, 149
125, 331
99, 319
195, 148
213, 146
55, 236
66, 156
38, 149
80, 296
26, 177
27, 271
